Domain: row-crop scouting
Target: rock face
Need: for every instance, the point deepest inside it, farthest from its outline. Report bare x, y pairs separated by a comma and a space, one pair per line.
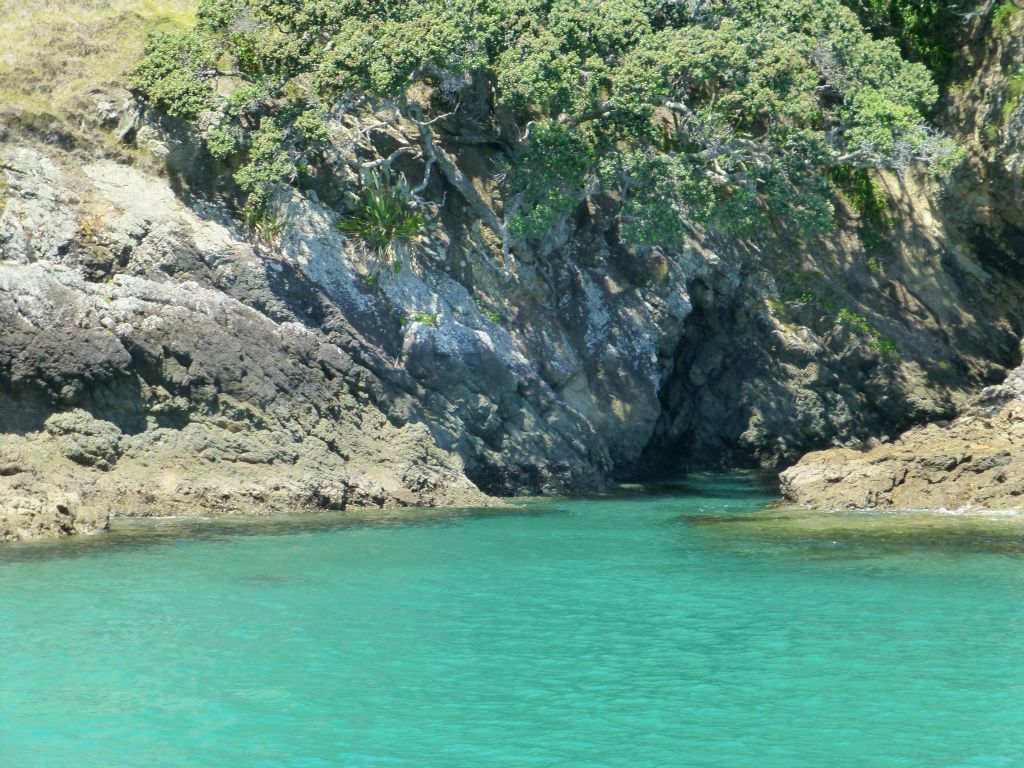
156, 358
153, 360
154, 392
975, 461
987, 113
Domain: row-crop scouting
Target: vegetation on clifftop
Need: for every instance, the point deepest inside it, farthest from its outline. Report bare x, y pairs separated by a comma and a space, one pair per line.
727, 112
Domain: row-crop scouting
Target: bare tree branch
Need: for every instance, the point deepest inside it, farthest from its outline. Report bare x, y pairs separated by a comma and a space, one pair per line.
457, 178
421, 188
603, 109
387, 161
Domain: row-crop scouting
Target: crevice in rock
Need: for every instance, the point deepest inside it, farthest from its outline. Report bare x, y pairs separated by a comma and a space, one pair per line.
703, 412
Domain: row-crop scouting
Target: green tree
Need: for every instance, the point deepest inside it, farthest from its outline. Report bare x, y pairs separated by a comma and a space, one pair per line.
723, 112
928, 31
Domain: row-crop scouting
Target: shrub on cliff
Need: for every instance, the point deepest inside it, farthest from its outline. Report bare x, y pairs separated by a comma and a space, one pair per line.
724, 112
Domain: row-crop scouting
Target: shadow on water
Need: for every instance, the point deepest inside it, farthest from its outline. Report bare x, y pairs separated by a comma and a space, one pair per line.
735, 512
736, 485
729, 492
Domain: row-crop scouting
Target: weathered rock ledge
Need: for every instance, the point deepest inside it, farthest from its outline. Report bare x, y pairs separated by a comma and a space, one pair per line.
153, 363
45, 494
975, 462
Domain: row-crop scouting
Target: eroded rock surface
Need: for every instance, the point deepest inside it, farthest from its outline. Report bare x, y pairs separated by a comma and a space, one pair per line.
975, 461
151, 391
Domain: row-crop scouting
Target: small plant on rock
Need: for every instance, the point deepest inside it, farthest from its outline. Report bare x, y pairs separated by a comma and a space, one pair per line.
865, 195
1004, 17
386, 219
494, 317
876, 340
1014, 92
427, 318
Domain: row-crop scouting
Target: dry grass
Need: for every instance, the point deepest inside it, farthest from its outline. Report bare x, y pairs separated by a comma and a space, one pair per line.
53, 52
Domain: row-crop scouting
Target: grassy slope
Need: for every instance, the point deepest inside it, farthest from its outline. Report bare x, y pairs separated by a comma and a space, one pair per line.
52, 52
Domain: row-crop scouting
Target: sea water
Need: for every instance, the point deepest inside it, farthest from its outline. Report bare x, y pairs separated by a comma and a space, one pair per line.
669, 626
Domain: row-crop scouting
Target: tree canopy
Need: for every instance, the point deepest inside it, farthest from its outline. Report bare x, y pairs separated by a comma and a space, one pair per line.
928, 31
718, 112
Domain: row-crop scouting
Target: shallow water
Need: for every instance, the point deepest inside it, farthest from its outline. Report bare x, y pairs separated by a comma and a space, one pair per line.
669, 626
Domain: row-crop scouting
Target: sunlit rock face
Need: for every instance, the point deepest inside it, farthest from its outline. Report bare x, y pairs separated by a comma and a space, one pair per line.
155, 352
152, 362
974, 462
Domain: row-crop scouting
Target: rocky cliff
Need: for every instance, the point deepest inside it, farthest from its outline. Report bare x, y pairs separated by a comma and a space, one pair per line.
977, 459
158, 358
152, 362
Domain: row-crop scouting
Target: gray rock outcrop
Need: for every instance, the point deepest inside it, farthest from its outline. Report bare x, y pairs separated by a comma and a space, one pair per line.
151, 391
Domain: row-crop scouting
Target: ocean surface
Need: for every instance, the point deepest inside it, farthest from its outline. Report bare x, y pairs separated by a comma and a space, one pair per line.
674, 625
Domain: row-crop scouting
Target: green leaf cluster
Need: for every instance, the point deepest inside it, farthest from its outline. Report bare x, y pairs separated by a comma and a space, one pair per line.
385, 217
1004, 16
928, 31
427, 318
173, 74
729, 113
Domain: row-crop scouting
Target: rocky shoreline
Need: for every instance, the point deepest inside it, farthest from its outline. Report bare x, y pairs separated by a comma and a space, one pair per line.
974, 462
152, 392
158, 357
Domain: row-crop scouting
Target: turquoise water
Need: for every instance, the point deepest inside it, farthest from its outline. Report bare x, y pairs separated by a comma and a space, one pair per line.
671, 627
